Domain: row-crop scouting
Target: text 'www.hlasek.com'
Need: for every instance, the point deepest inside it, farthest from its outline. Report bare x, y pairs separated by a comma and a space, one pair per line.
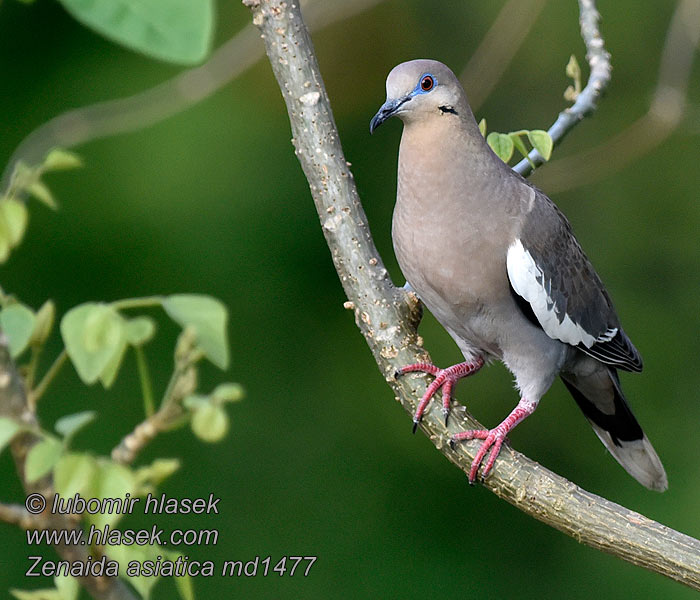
163, 561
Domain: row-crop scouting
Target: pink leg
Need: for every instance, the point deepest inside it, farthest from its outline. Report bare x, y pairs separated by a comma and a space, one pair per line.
445, 379
493, 439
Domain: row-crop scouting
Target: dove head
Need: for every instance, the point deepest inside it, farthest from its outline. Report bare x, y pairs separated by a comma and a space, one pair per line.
418, 89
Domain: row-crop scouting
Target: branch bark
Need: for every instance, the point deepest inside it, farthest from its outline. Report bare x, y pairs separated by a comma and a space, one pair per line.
388, 318
13, 404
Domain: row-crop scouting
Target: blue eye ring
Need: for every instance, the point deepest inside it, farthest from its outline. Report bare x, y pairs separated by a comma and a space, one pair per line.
427, 83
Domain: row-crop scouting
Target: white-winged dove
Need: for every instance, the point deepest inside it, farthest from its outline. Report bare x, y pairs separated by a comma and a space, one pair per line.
497, 264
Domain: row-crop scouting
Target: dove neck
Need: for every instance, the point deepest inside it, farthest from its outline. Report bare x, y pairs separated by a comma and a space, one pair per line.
432, 148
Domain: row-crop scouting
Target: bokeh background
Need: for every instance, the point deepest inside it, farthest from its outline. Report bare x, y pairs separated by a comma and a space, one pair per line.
320, 460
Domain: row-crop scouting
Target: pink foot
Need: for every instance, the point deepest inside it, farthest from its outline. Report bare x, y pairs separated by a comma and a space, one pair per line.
445, 379
493, 439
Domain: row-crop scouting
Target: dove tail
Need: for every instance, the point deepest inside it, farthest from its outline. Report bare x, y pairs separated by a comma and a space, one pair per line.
600, 398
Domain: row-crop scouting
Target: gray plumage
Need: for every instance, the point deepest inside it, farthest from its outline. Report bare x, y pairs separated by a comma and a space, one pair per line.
497, 264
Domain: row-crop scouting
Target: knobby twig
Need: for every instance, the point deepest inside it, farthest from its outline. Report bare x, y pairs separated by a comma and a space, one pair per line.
169, 98
171, 412
666, 112
587, 101
388, 317
13, 404
20, 516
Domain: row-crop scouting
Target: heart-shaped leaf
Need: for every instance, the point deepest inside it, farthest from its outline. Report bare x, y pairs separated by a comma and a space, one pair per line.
69, 425
16, 216
209, 318
501, 144
140, 330
59, 159
73, 474
176, 31
8, 430
111, 480
94, 335
18, 323
41, 458
210, 423
542, 142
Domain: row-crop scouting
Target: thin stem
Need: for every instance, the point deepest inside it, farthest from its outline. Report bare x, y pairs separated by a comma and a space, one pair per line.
145, 379
182, 383
39, 390
32, 367
18, 515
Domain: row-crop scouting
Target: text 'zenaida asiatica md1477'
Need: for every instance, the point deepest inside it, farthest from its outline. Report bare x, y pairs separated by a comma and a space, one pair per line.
497, 264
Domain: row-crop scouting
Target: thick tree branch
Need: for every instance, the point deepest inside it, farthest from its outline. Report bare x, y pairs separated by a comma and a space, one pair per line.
388, 318
13, 404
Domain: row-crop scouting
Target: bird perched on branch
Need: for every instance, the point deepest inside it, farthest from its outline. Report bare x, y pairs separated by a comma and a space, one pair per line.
497, 264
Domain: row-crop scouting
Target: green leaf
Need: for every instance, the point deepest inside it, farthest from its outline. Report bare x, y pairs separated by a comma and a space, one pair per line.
45, 317
109, 373
16, 216
570, 94
41, 458
210, 423
542, 142
195, 401
111, 480
73, 474
501, 144
138, 554
67, 586
8, 430
573, 69
185, 586
158, 471
228, 392
59, 159
140, 330
518, 143
95, 338
177, 31
5, 240
209, 317
69, 425
41, 192
482, 127
18, 323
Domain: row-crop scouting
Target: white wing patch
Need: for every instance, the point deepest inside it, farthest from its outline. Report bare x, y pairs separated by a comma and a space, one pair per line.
529, 282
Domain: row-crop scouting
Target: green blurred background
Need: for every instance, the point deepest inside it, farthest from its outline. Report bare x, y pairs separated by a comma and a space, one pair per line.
320, 460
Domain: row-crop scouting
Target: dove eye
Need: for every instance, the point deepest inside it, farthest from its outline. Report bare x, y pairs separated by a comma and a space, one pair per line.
427, 83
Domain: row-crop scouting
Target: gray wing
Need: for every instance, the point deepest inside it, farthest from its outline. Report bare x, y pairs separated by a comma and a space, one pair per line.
548, 269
